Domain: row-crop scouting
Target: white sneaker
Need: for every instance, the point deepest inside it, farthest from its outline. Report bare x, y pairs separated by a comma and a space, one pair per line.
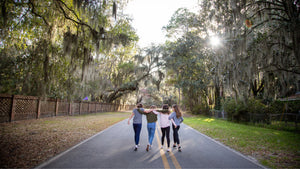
168, 150
161, 147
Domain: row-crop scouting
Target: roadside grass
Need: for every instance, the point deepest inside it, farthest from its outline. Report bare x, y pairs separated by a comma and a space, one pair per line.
272, 148
28, 143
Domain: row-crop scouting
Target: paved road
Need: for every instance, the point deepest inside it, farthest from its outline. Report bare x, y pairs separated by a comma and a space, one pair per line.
113, 148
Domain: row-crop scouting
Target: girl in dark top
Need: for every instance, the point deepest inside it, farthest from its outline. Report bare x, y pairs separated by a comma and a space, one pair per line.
151, 125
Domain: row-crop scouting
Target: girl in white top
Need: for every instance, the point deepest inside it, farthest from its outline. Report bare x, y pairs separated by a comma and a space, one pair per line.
164, 124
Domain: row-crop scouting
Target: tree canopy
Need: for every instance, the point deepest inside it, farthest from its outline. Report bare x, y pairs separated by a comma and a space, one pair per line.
257, 56
73, 49
54, 48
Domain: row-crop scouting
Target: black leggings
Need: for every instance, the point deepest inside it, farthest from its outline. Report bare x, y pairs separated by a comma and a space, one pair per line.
175, 134
165, 132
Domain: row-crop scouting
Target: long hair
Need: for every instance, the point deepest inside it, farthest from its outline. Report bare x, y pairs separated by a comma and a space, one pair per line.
176, 109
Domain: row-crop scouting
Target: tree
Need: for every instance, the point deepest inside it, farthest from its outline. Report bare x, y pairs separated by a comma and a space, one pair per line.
258, 46
257, 57
52, 46
188, 62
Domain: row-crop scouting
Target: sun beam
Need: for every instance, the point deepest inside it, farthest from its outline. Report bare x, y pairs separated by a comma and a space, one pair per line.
215, 41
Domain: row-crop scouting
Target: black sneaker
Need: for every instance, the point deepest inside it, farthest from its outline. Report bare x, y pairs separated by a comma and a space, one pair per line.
179, 148
135, 148
174, 146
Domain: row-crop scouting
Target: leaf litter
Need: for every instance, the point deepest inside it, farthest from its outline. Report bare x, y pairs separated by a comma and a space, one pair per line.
28, 143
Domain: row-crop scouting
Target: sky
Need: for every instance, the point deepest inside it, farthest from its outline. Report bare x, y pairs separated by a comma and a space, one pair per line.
149, 16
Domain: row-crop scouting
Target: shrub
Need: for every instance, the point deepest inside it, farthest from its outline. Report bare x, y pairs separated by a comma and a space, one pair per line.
200, 109
293, 106
257, 111
278, 107
229, 106
241, 113
256, 106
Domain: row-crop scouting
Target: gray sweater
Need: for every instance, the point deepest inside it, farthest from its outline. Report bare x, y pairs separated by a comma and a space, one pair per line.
137, 119
177, 121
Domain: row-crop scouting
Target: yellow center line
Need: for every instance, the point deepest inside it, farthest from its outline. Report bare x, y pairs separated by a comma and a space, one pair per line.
173, 158
162, 153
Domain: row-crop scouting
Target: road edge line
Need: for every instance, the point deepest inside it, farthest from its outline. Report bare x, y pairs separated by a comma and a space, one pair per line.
228, 148
72, 148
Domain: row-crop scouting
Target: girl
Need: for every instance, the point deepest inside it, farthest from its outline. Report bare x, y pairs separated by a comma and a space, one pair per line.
176, 118
164, 124
151, 125
137, 124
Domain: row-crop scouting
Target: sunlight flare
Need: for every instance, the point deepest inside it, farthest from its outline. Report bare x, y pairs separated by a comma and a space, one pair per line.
215, 41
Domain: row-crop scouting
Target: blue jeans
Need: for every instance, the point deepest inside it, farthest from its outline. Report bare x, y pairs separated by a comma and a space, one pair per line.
151, 131
137, 130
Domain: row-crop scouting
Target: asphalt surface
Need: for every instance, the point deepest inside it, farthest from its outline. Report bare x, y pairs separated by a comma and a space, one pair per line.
113, 148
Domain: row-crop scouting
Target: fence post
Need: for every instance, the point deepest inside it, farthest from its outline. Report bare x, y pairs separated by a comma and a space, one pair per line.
70, 108
39, 109
56, 107
13, 107
296, 119
80, 105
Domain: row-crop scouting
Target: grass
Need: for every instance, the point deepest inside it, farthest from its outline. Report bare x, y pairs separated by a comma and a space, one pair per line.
28, 143
272, 148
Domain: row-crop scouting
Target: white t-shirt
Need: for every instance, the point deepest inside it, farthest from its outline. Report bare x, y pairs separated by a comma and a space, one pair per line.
164, 119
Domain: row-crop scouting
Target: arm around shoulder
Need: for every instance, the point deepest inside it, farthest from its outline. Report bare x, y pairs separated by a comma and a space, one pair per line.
155, 112
141, 111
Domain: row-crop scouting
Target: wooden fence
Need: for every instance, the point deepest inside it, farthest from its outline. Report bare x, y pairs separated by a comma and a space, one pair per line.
17, 107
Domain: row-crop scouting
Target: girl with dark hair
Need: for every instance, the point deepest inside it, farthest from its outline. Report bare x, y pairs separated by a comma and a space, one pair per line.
176, 118
164, 125
137, 124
